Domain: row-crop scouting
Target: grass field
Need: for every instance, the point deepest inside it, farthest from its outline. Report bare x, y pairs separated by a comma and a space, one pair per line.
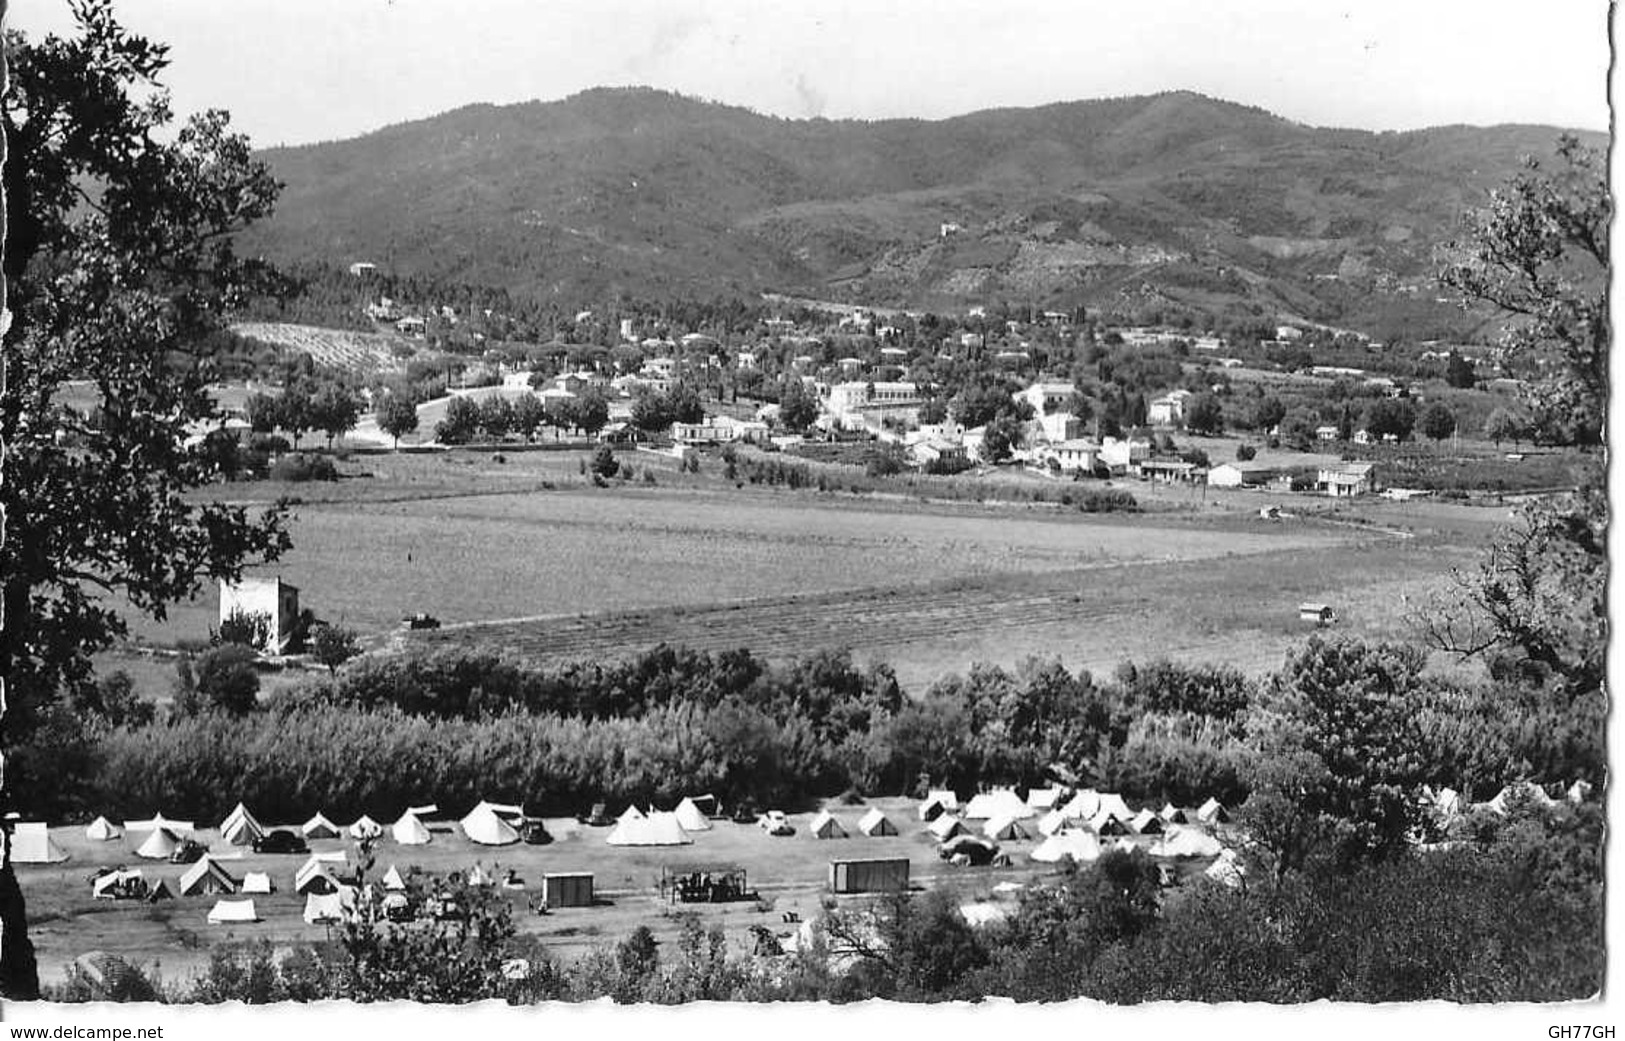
790, 873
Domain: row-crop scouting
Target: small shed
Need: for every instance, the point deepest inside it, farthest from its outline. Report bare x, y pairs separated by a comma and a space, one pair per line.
879, 875
1320, 614
573, 889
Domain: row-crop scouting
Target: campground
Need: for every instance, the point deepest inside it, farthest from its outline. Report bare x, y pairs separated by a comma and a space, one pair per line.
790, 873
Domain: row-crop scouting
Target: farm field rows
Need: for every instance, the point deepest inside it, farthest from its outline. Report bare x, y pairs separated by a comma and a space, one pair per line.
789, 872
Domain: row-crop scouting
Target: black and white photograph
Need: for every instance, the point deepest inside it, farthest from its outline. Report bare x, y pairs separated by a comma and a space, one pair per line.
1050, 508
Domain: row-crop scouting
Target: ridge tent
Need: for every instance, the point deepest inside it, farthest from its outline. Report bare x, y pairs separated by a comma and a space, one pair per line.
1447, 801
160, 891
659, 829
393, 880
409, 831
945, 827
1186, 842
1044, 798
944, 796
1212, 813
102, 830
932, 808
206, 878
1083, 806
31, 843
1172, 814
1001, 802
825, 826
315, 876
226, 912
330, 907
875, 824
1081, 846
1521, 790
1146, 823
366, 828
1112, 803
690, 817
159, 845
632, 813
106, 887
319, 827
484, 826
1004, 828
240, 828
258, 882
1052, 822
1107, 823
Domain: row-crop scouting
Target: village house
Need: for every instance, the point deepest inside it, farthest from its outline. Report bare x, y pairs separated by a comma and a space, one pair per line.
1241, 475
1168, 410
1047, 397
935, 450
1346, 480
1326, 433
1171, 471
1124, 454
1074, 456
745, 361
270, 599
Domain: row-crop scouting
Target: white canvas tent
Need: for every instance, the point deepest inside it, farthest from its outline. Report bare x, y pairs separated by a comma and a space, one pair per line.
365, 828
1577, 792
1534, 793
393, 880
160, 821
477, 876
1172, 814
1226, 869
690, 817
258, 882
1146, 823
484, 826
1044, 798
1052, 822
932, 808
31, 843
159, 845
102, 830
426, 810
657, 829
409, 831
103, 887
631, 813
1004, 829
944, 797
315, 876
1082, 806
1186, 842
330, 907
945, 827
1111, 803
1001, 802
826, 826
240, 828
206, 878
1212, 813
1107, 823
1081, 846
319, 827
228, 912
875, 824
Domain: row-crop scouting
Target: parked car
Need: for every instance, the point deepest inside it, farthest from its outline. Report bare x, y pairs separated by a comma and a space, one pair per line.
421, 621
280, 841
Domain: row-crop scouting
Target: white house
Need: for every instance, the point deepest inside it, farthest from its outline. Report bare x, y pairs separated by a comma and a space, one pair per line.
269, 598
1075, 456
937, 449
1168, 410
1121, 455
1241, 475
1047, 397
1346, 480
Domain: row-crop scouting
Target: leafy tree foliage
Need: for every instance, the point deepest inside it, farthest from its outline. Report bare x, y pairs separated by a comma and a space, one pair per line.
1205, 415
397, 416
1390, 416
1458, 371
798, 407
1438, 422
1504, 425
333, 645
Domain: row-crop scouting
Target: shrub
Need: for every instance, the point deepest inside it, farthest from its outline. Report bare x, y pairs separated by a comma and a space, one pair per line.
1244, 453
303, 466
1108, 500
604, 464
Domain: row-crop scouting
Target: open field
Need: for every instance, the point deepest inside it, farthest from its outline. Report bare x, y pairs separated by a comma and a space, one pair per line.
790, 873
577, 572
337, 348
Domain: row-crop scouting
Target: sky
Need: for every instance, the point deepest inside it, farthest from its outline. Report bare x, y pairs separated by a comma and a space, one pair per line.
297, 71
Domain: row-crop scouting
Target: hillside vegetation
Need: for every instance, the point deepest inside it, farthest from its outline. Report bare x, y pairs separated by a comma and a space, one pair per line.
1174, 197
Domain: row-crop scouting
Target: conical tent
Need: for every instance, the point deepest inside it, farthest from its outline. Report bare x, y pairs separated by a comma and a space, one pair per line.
393, 880
319, 827
240, 828
632, 813
258, 882
825, 826
876, 824
226, 912
659, 829
31, 843
366, 828
160, 821
409, 831
102, 830
690, 817
206, 877
482, 825
158, 845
